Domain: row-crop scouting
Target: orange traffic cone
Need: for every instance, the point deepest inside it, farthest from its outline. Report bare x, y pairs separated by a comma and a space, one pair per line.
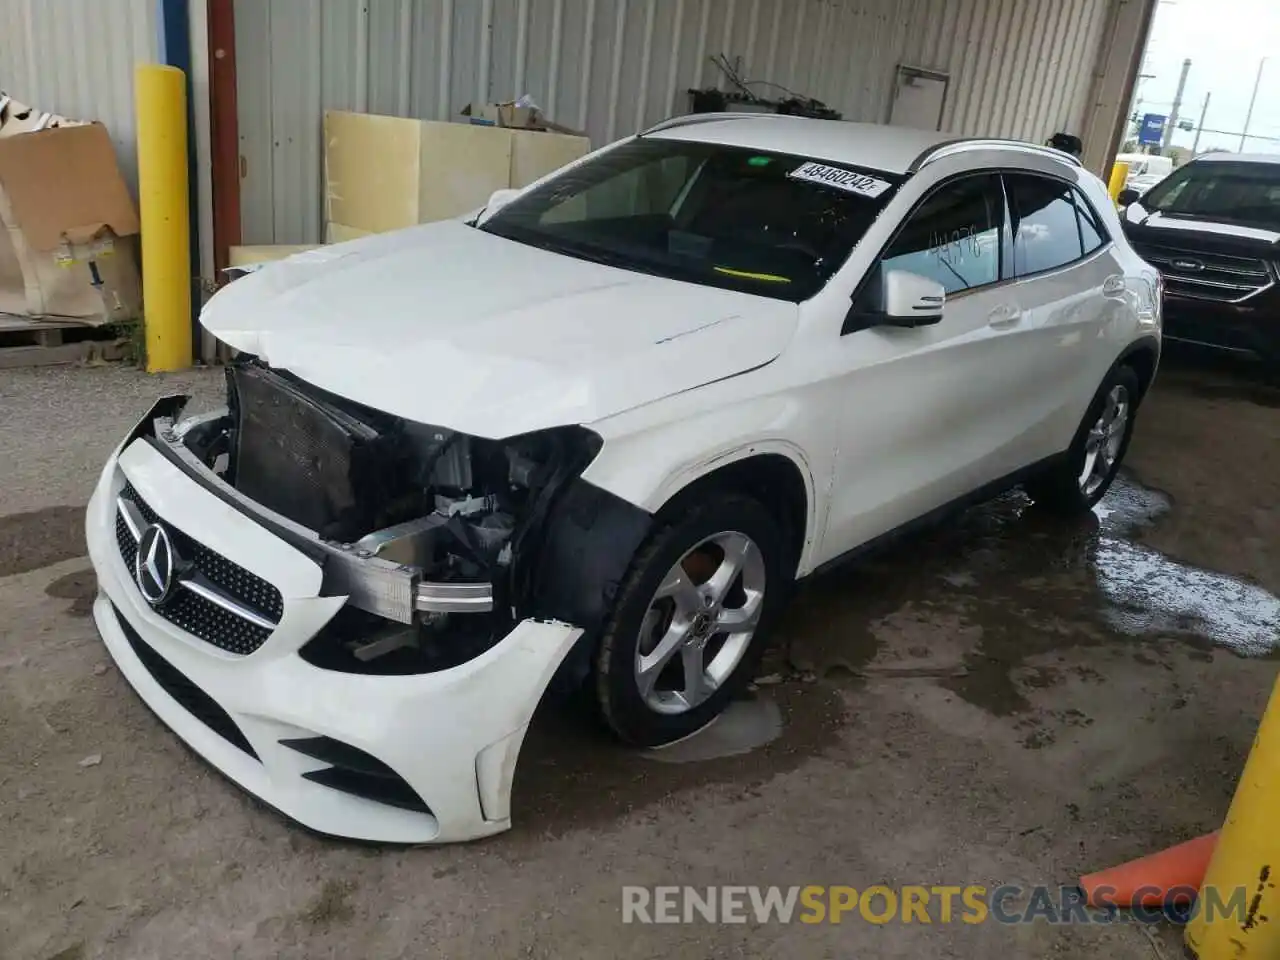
1153, 881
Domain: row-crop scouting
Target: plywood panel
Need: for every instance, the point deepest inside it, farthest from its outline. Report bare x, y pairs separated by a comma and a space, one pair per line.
535, 154
371, 180
461, 166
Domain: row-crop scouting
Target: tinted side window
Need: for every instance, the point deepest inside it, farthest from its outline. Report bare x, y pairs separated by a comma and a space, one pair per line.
1046, 231
1092, 232
954, 236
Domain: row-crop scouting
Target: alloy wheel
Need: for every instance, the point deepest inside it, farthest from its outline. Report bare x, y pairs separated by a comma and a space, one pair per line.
1106, 437
700, 622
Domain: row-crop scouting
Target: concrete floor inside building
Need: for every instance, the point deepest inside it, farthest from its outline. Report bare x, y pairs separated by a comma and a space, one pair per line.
1006, 699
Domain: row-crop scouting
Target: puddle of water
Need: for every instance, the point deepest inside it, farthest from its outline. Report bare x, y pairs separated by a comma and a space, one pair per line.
1129, 506
1143, 592
1024, 584
744, 726
1151, 594
573, 773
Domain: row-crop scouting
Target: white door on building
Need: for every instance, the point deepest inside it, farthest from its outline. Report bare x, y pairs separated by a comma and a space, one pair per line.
918, 99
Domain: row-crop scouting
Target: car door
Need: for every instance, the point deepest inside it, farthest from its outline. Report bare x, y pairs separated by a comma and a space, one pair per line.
917, 413
1069, 286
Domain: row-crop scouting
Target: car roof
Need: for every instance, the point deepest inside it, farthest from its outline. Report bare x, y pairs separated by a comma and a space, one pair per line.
899, 150
892, 149
1222, 157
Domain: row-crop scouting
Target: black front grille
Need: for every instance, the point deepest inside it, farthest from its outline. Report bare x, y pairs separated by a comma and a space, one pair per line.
355, 772
1206, 276
196, 614
190, 697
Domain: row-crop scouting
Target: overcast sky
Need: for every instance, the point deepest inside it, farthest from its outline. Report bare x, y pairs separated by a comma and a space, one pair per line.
1225, 40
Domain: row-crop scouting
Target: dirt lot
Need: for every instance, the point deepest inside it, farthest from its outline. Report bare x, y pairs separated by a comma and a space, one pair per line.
1007, 700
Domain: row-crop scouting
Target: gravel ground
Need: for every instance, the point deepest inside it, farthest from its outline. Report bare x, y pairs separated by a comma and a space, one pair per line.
61, 423
1005, 700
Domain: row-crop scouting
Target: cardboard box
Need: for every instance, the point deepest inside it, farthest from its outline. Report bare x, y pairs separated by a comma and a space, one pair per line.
387, 173
502, 115
68, 228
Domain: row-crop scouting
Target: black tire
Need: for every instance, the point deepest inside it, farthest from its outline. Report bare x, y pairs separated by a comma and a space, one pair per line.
618, 694
1059, 488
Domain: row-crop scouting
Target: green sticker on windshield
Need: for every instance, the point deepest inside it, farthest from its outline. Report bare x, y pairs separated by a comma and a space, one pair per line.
759, 161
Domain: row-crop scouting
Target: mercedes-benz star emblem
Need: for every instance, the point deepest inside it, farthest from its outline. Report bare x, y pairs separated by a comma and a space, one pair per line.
153, 568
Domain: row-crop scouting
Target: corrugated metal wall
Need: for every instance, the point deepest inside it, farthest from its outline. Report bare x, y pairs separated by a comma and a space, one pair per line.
76, 58
1019, 68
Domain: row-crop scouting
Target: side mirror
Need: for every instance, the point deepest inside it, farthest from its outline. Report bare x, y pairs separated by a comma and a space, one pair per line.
497, 200
911, 300
1127, 196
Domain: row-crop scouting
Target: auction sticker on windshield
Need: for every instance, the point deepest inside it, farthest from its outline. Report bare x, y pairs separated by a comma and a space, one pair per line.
840, 178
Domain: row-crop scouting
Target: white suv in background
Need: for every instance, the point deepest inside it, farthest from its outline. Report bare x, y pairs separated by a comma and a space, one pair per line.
594, 435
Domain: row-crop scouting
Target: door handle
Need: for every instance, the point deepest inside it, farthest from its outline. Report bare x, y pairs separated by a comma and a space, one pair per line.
1113, 286
1005, 315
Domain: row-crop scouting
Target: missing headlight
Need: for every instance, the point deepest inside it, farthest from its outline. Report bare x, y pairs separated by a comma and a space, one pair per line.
435, 536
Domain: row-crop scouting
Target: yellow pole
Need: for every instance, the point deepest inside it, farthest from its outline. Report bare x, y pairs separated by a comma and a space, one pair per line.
161, 96
1119, 174
1238, 913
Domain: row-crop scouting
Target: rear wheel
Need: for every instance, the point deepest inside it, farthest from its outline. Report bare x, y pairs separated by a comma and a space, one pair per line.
686, 633
1084, 475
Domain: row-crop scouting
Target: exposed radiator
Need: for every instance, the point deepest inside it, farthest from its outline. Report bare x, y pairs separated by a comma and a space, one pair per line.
304, 459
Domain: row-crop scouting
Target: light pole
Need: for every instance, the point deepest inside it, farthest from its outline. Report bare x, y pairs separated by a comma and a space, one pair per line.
1204, 112
1248, 117
1172, 121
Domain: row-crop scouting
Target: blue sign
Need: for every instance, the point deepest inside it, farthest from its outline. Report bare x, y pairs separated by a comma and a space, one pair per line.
1152, 129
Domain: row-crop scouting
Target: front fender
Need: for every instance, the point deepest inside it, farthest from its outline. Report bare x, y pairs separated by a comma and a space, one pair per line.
647, 459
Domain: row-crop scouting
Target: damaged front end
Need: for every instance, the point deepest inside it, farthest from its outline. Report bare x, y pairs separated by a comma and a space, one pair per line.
440, 541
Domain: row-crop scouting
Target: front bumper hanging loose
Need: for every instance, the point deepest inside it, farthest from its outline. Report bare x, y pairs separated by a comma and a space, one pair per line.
407, 758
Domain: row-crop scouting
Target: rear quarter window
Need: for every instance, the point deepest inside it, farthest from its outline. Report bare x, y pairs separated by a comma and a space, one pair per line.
1093, 234
1046, 226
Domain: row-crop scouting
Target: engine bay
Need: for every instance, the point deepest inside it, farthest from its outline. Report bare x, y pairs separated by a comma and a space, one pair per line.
456, 509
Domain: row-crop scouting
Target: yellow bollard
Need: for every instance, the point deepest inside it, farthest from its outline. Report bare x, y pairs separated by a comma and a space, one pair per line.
161, 97
1119, 174
1246, 859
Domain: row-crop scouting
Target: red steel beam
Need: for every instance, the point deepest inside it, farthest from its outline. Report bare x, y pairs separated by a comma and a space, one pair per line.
224, 130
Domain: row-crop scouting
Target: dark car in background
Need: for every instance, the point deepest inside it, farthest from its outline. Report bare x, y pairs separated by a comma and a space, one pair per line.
1212, 229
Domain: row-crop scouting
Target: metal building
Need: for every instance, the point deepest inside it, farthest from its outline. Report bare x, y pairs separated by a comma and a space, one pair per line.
76, 57
1016, 68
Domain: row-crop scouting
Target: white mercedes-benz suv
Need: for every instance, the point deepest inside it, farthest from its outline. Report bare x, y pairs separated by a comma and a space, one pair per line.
592, 435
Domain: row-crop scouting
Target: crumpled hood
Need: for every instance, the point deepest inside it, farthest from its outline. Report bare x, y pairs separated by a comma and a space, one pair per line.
446, 324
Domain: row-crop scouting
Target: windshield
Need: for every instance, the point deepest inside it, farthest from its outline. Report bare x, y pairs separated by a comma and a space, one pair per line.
763, 223
1244, 193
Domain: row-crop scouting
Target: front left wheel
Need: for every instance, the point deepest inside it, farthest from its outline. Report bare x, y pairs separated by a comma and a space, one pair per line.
687, 631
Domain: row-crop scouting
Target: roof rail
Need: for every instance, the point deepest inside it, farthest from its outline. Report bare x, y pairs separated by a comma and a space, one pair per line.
689, 119
953, 147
